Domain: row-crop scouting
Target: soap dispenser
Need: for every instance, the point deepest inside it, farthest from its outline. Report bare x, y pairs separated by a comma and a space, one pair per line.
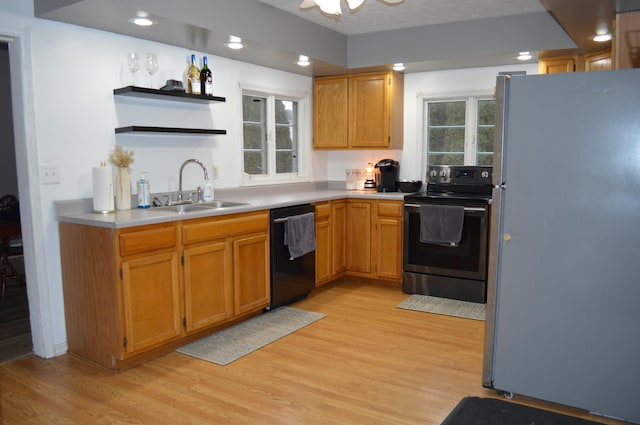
208, 191
144, 196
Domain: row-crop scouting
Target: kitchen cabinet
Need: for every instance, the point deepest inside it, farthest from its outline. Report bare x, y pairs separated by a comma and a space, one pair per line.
374, 239
226, 261
598, 61
330, 242
387, 243
359, 227
554, 65
358, 111
127, 299
121, 290
143, 92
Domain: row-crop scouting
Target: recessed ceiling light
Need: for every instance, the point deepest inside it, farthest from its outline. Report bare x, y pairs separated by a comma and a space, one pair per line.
524, 56
142, 19
601, 38
303, 60
235, 43
398, 66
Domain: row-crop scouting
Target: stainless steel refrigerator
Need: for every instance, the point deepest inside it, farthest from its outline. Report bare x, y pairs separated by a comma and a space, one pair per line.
563, 296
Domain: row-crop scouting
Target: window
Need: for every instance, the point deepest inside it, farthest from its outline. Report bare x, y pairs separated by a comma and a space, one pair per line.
460, 131
271, 147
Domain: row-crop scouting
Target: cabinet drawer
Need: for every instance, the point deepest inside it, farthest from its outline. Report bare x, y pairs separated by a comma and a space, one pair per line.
390, 209
222, 227
147, 238
323, 210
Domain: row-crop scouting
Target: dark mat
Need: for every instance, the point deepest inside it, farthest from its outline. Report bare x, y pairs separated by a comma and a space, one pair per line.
491, 411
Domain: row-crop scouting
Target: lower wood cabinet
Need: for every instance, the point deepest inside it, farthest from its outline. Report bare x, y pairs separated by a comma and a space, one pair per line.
130, 293
150, 300
330, 241
374, 239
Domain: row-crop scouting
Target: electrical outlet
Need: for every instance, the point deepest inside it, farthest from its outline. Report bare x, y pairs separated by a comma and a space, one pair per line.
215, 171
49, 174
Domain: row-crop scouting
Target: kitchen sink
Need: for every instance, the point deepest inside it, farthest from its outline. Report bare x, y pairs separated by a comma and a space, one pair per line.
199, 206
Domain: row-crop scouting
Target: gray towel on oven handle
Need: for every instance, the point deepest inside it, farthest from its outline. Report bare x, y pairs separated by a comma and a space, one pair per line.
300, 234
441, 224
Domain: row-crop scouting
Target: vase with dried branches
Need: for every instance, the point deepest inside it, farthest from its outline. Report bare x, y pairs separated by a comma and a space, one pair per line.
122, 159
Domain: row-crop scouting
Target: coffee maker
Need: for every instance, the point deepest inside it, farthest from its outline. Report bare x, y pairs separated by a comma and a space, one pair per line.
387, 175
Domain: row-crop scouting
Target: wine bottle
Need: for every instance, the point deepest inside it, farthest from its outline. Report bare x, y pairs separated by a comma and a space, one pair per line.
206, 78
193, 77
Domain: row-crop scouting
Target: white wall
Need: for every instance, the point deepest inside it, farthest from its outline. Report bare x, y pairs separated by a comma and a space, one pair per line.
72, 113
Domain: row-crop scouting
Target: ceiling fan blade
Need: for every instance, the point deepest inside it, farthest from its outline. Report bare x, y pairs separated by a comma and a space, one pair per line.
307, 4
354, 4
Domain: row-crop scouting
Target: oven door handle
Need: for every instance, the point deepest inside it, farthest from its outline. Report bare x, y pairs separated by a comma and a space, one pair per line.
478, 209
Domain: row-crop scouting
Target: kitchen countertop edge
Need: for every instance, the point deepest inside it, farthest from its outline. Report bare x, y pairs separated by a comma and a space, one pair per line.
145, 216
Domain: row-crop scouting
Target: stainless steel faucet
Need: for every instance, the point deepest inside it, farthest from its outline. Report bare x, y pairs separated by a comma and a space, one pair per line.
206, 175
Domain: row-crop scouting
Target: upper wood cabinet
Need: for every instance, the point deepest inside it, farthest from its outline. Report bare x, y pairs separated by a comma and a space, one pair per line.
557, 64
598, 61
358, 111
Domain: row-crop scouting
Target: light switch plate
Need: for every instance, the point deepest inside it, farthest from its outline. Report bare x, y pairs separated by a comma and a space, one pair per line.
49, 174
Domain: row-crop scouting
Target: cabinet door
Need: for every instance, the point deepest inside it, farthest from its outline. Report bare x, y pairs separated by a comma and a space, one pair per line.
388, 240
323, 243
557, 65
151, 300
251, 273
208, 285
369, 113
338, 236
359, 238
600, 61
330, 111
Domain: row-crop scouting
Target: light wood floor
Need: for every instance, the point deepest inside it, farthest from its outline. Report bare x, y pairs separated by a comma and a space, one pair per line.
366, 362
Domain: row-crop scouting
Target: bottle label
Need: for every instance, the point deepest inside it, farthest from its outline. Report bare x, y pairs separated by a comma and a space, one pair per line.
208, 88
195, 86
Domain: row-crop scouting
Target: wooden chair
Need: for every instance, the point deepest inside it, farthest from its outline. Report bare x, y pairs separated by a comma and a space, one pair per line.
10, 242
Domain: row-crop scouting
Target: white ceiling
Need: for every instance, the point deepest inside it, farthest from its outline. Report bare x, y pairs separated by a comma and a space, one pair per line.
375, 15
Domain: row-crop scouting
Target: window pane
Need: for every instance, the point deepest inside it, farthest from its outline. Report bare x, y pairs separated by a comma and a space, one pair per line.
284, 112
446, 159
253, 163
252, 108
485, 135
286, 163
286, 118
446, 140
253, 136
486, 112
446, 133
447, 113
254, 113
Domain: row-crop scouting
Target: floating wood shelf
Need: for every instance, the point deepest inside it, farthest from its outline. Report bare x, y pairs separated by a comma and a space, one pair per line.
140, 129
143, 92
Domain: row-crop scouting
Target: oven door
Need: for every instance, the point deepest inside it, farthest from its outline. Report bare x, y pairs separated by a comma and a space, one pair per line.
468, 260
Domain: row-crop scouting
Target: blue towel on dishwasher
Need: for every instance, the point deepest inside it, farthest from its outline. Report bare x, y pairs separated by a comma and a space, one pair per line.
300, 234
441, 224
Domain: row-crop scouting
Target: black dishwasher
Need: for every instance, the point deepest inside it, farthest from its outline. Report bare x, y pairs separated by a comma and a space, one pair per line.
291, 279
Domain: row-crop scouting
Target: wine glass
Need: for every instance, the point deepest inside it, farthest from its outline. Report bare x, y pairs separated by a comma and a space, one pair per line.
151, 66
133, 64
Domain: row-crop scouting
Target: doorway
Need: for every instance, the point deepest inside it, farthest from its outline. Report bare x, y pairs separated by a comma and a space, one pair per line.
15, 330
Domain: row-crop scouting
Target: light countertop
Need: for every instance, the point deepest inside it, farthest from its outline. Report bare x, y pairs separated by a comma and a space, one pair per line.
254, 199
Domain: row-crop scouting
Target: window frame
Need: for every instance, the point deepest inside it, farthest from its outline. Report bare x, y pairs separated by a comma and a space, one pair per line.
303, 127
471, 100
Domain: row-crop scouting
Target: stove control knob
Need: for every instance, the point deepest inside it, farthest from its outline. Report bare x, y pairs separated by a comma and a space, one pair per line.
443, 174
434, 173
484, 174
